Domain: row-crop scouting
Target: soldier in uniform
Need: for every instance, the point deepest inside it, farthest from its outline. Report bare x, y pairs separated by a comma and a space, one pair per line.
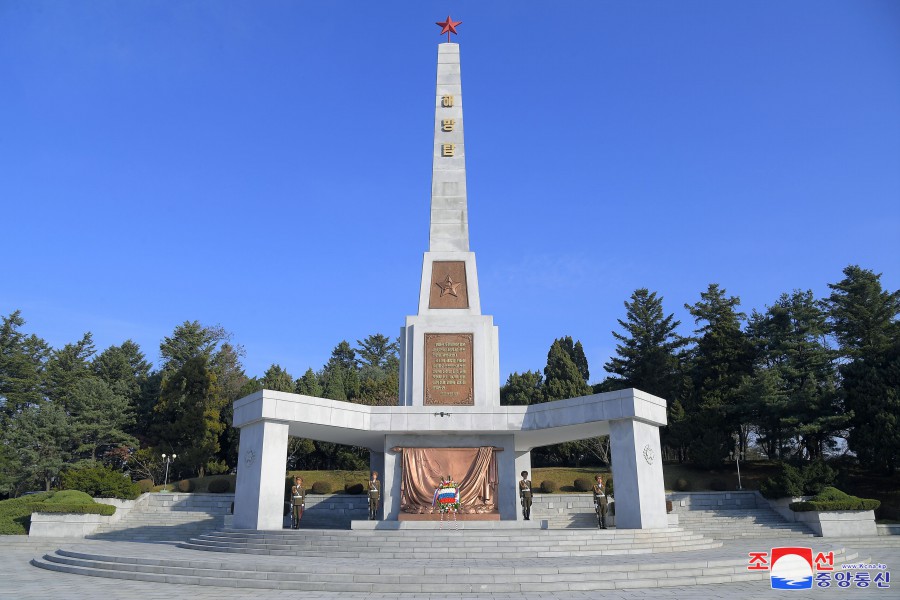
525, 495
600, 502
374, 495
298, 502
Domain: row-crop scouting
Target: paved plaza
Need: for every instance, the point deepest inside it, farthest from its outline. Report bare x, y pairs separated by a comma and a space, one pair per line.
23, 581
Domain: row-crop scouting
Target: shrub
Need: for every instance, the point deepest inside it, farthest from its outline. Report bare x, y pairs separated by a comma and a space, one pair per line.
816, 477
100, 482
145, 485
355, 488
69, 497
185, 486
787, 484
583, 485
831, 498
718, 485
548, 487
321, 487
77, 509
219, 486
15, 514
682, 485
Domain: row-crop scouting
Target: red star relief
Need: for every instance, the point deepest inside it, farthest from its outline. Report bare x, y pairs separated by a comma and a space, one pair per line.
448, 27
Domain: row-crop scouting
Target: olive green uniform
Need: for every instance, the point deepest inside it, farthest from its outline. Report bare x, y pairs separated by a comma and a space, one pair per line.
298, 503
600, 505
525, 497
374, 498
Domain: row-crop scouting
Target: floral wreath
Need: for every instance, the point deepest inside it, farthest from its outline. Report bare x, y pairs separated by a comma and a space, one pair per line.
444, 507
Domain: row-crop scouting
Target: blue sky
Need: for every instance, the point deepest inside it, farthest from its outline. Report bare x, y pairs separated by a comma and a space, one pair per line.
266, 165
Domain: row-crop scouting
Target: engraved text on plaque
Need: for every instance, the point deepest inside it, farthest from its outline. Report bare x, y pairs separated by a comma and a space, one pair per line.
448, 369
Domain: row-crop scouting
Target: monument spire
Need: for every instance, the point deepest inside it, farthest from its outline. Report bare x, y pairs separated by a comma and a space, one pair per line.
449, 230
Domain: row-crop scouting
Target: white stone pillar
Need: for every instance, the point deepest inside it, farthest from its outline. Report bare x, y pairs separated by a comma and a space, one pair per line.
262, 467
637, 475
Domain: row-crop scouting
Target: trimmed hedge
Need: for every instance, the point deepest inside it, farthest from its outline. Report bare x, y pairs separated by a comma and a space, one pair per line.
76, 509
583, 485
219, 486
145, 485
100, 482
830, 499
549, 487
185, 486
69, 497
682, 485
356, 488
15, 513
321, 487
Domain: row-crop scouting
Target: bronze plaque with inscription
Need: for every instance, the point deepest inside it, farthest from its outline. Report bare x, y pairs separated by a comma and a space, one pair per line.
449, 379
448, 285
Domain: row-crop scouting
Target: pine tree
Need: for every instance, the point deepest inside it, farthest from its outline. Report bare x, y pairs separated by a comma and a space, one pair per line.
721, 357
99, 417
522, 389
308, 385
647, 353
790, 342
22, 364
864, 320
277, 379
563, 377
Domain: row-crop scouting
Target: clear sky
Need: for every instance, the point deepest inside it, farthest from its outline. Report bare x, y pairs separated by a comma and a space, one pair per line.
266, 165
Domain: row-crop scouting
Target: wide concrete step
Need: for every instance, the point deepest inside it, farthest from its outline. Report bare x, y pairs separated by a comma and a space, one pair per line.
420, 576
413, 544
741, 523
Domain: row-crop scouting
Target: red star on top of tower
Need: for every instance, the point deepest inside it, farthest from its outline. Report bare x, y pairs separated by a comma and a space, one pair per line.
448, 27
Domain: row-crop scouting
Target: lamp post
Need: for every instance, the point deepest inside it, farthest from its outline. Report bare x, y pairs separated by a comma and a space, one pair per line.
168, 460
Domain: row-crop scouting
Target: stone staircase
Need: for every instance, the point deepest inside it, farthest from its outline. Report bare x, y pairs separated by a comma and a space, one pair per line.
566, 511
466, 545
168, 518
403, 563
733, 516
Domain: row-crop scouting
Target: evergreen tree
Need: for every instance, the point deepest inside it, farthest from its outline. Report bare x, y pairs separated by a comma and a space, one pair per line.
790, 340
40, 438
190, 340
376, 350
277, 379
721, 357
563, 377
123, 368
99, 417
66, 367
647, 353
22, 364
190, 405
522, 389
308, 385
864, 319
863, 315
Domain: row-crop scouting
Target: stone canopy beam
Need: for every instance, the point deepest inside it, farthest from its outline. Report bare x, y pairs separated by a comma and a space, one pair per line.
537, 425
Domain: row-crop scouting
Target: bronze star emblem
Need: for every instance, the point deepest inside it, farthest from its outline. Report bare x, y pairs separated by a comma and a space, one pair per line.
448, 286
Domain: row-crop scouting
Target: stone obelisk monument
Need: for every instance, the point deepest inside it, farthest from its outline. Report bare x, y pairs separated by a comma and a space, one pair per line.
449, 420
449, 350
